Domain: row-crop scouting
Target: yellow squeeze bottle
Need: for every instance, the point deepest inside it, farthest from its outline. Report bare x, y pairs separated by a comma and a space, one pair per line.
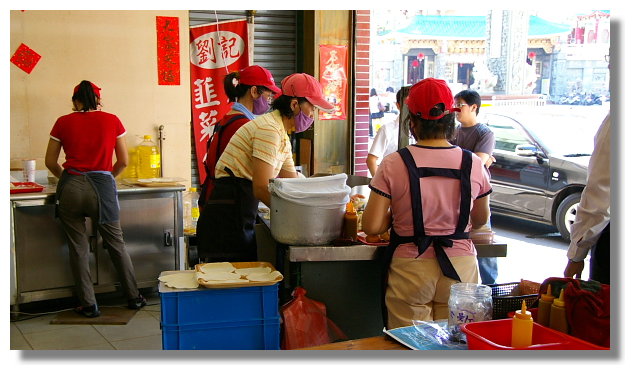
544, 307
558, 316
522, 327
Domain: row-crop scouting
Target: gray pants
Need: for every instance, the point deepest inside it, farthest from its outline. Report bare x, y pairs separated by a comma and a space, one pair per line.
77, 201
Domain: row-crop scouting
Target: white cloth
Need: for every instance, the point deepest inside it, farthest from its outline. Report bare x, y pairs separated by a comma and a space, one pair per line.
594, 211
326, 191
385, 141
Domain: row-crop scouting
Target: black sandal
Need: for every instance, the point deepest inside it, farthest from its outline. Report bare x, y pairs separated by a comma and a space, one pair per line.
137, 303
91, 311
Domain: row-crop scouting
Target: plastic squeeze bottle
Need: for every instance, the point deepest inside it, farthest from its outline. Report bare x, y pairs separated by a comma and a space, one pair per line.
558, 316
544, 307
522, 327
350, 222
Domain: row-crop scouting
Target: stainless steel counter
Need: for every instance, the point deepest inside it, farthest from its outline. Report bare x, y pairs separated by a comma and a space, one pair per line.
327, 253
152, 222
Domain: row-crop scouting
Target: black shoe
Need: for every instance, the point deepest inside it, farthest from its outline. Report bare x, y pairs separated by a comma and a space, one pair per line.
136, 303
91, 311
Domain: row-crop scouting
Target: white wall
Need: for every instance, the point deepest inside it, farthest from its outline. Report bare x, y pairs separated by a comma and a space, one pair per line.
117, 50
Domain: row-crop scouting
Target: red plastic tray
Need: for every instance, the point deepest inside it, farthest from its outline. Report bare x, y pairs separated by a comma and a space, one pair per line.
25, 187
361, 237
496, 335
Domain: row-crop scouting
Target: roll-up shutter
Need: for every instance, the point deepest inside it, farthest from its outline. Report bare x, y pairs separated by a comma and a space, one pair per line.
275, 35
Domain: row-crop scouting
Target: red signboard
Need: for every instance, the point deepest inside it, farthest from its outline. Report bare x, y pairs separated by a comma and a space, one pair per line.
333, 68
215, 50
25, 58
168, 63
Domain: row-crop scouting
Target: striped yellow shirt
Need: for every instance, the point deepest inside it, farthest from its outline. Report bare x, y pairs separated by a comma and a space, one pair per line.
264, 138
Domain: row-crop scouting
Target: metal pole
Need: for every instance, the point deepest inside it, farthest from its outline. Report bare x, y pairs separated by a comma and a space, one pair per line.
161, 139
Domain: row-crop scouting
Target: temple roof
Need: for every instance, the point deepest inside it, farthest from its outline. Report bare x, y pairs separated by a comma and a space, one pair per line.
472, 27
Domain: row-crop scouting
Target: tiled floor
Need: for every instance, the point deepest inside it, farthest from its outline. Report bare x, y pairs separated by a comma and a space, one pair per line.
142, 332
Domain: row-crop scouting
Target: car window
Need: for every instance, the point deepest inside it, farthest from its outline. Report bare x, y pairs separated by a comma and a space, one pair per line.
507, 133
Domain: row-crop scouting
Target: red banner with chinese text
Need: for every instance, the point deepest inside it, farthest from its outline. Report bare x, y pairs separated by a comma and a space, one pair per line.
168, 61
333, 77
215, 50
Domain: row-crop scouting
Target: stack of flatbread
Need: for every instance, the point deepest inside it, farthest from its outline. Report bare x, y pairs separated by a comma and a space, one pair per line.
226, 273
180, 280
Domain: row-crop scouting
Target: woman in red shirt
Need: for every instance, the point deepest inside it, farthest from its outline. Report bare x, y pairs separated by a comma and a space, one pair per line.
87, 188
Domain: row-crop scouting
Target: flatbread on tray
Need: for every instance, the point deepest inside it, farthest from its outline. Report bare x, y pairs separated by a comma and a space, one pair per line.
264, 276
217, 276
252, 270
217, 267
181, 280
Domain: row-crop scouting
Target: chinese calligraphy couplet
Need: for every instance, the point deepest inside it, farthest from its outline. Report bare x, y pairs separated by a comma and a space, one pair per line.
333, 77
215, 50
168, 63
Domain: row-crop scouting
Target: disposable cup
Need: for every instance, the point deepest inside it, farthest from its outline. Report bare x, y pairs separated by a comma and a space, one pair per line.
28, 170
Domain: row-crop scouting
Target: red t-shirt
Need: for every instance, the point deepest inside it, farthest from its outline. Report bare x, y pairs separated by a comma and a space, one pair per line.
88, 139
440, 196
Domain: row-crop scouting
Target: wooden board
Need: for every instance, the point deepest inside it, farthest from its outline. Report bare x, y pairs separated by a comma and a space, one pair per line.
109, 316
370, 343
157, 184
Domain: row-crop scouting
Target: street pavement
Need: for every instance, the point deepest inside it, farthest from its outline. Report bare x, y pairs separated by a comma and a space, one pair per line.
534, 251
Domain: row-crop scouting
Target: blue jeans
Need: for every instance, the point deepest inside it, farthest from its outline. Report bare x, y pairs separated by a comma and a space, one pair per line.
488, 267
488, 270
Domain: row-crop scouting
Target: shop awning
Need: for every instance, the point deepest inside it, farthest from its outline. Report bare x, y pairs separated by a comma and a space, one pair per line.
472, 27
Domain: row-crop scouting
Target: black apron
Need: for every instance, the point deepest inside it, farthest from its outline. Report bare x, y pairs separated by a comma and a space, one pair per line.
225, 231
419, 238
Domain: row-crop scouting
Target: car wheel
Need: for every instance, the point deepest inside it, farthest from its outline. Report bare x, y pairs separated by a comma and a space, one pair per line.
565, 215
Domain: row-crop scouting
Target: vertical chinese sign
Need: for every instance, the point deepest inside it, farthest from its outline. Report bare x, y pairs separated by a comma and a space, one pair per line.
168, 63
333, 68
215, 50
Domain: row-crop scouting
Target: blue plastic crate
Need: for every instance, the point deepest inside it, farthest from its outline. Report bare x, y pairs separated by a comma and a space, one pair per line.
242, 335
213, 306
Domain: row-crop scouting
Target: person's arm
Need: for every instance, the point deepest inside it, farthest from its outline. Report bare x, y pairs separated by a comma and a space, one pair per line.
480, 212
595, 203
262, 173
52, 155
288, 174
377, 216
371, 163
121, 153
484, 157
376, 149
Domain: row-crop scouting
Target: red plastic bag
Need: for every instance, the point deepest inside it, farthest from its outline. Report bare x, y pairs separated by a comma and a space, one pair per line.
305, 323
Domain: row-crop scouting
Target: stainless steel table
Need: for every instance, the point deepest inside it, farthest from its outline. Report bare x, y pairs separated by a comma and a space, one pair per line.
152, 223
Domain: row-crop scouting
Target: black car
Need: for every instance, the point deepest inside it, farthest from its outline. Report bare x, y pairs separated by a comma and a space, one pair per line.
542, 155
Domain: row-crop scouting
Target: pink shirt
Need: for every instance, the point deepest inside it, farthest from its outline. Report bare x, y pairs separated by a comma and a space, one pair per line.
440, 196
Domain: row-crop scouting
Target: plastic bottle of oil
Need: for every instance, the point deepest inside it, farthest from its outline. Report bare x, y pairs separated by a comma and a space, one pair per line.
131, 169
544, 307
148, 159
522, 327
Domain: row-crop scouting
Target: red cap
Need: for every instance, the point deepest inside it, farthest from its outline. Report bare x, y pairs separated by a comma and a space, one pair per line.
426, 94
256, 75
302, 85
95, 89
